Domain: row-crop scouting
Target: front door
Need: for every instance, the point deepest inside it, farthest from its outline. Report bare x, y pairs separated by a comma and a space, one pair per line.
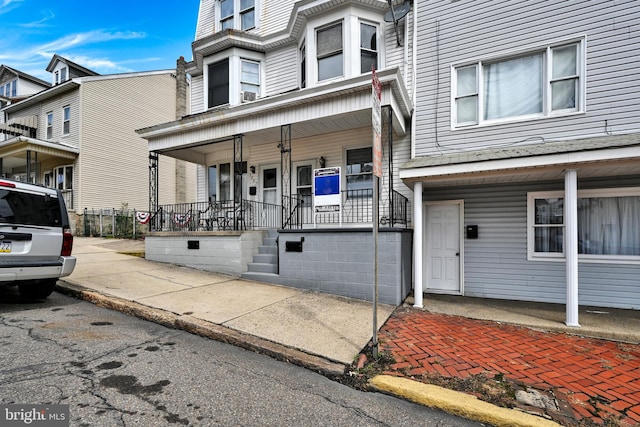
442, 241
270, 194
303, 189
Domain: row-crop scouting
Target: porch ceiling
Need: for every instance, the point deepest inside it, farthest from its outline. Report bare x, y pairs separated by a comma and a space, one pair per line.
14, 151
320, 110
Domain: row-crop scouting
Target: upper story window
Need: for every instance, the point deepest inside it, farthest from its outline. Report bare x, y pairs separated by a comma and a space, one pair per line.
329, 52
14, 88
608, 227
218, 83
539, 84
303, 65
368, 47
66, 123
50, 125
249, 76
63, 75
237, 14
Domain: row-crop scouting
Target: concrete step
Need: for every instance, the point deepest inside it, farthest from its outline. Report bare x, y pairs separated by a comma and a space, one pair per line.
271, 250
266, 259
257, 267
262, 277
269, 241
272, 233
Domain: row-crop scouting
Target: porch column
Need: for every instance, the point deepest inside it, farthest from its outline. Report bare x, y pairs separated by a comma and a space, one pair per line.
571, 245
156, 223
417, 244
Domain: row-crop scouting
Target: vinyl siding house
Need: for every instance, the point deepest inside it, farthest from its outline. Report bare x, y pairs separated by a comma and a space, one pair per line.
525, 165
282, 90
79, 136
16, 85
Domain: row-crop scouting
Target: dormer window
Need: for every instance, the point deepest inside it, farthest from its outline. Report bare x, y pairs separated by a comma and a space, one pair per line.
237, 14
234, 78
250, 76
63, 75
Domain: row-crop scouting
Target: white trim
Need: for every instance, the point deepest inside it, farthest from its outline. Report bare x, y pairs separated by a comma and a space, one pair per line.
528, 162
583, 258
545, 50
425, 239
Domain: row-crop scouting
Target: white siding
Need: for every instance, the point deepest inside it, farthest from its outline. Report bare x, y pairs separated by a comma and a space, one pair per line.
281, 65
452, 32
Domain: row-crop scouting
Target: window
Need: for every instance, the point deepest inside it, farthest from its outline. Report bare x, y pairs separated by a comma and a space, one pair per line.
359, 171
56, 77
304, 185
329, 52
213, 183
63, 75
64, 177
14, 88
225, 179
233, 12
49, 125
66, 120
608, 224
250, 76
368, 48
218, 83
303, 65
539, 84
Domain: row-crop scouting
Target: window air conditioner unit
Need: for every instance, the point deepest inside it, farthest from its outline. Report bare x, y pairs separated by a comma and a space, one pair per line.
248, 96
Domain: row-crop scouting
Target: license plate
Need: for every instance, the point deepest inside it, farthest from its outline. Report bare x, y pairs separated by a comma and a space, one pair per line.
5, 247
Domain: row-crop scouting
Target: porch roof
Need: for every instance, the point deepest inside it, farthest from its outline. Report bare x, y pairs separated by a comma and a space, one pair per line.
327, 108
13, 150
597, 156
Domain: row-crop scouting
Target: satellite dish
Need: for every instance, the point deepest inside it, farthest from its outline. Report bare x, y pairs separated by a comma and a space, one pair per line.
397, 12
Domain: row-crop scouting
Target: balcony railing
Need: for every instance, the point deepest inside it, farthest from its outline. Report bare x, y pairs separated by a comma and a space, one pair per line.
298, 212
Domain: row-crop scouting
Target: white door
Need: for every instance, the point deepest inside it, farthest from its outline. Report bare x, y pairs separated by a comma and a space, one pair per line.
442, 241
303, 188
270, 195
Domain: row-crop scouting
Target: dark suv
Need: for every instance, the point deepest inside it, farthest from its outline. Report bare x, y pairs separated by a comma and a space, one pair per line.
35, 238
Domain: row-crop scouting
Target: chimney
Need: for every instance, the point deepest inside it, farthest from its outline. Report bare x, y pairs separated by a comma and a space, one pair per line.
181, 88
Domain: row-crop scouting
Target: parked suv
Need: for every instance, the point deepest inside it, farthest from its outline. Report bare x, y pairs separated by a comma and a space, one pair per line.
35, 238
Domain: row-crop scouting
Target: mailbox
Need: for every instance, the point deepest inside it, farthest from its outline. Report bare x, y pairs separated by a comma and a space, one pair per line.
472, 231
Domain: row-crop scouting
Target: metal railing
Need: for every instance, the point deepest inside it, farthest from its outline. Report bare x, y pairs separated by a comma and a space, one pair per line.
357, 208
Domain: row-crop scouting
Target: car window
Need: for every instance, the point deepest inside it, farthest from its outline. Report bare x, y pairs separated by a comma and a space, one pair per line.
27, 208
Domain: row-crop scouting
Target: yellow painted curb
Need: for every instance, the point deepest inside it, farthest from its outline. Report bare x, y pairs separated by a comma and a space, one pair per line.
457, 403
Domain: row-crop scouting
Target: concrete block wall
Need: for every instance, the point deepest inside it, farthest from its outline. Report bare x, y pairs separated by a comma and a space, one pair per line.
226, 252
340, 262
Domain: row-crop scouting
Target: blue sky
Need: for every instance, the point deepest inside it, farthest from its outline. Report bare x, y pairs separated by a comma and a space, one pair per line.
110, 37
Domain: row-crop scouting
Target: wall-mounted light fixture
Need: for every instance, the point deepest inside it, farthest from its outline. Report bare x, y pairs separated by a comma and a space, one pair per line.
322, 161
252, 169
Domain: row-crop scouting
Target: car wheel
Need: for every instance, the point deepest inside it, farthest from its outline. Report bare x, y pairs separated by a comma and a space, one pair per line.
38, 289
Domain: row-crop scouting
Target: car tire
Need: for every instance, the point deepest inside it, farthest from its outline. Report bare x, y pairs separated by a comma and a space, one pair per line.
39, 289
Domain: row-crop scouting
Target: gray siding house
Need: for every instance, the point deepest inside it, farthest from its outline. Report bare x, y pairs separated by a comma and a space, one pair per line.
525, 161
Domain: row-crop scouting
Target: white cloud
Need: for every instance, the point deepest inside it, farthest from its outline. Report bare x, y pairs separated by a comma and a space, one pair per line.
40, 23
81, 39
7, 5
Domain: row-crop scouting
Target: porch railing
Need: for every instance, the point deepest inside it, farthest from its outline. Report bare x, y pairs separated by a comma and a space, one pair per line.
357, 208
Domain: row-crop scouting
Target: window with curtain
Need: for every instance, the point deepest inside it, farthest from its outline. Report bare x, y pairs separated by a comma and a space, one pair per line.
539, 84
329, 52
608, 224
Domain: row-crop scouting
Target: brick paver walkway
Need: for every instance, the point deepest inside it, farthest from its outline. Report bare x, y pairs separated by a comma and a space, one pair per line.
600, 379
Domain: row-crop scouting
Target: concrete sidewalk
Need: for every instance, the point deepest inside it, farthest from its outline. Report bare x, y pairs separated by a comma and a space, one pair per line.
333, 328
